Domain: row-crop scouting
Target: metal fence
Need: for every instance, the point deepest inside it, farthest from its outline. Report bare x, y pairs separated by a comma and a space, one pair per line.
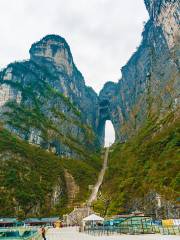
172, 230
19, 234
151, 229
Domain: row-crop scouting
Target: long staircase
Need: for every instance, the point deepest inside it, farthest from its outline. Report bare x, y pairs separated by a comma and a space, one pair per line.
76, 216
96, 187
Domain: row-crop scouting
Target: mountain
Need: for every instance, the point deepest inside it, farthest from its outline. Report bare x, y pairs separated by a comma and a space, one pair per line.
53, 125
144, 165
45, 100
150, 82
48, 140
50, 84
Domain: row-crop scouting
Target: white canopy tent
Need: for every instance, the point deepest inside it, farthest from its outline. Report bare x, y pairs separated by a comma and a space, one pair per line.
92, 219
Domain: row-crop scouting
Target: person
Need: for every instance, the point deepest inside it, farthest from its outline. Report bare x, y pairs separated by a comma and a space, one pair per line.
43, 232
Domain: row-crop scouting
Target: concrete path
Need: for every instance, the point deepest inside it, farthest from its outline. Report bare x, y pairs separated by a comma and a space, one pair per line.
95, 189
71, 233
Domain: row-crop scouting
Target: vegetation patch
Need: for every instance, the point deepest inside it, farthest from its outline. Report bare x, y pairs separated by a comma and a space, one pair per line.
146, 165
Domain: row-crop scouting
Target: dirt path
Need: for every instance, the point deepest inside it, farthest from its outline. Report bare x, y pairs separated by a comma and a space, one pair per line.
72, 187
96, 187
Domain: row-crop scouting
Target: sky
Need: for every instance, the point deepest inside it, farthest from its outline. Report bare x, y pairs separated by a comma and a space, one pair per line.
102, 34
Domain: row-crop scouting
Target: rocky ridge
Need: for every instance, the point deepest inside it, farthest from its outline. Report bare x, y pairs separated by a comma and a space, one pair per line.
51, 87
149, 84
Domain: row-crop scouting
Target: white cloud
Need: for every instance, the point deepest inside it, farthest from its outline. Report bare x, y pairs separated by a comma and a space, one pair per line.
102, 34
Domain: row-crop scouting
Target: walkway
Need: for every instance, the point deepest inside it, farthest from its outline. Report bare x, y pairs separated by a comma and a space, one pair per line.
71, 233
95, 189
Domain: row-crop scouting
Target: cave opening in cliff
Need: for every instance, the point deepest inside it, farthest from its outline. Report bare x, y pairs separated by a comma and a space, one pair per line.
109, 134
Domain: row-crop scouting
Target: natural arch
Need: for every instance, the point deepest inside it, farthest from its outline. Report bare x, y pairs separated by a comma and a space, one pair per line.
105, 117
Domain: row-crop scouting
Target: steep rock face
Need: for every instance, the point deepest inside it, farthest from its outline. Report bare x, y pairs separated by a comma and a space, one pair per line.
45, 100
165, 13
149, 86
106, 110
150, 81
55, 50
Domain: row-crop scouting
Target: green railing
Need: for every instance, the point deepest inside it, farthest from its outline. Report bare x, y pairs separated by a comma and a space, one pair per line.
19, 234
132, 229
117, 230
172, 230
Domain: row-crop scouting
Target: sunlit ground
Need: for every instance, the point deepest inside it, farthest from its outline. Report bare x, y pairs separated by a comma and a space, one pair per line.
71, 233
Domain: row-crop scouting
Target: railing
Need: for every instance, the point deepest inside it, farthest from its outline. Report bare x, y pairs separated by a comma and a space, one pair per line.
172, 230
19, 234
136, 229
110, 230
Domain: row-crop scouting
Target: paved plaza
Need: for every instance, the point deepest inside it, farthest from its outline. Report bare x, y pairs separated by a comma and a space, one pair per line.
71, 233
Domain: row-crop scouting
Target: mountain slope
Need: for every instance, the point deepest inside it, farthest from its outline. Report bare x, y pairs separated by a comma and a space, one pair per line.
45, 100
142, 169
144, 109
32, 180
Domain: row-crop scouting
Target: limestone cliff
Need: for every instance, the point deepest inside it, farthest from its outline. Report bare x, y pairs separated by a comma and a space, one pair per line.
68, 115
45, 100
143, 171
150, 82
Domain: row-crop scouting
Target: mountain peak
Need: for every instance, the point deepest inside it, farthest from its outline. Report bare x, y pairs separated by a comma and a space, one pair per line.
54, 49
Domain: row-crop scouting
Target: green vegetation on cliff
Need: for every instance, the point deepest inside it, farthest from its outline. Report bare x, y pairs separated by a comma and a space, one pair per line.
28, 176
147, 165
32, 181
44, 114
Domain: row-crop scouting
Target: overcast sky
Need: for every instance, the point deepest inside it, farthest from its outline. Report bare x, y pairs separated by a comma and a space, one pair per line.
102, 34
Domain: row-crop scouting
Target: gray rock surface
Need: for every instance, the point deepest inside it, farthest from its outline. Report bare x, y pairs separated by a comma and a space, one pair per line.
50, 85
150, 82
150, 85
